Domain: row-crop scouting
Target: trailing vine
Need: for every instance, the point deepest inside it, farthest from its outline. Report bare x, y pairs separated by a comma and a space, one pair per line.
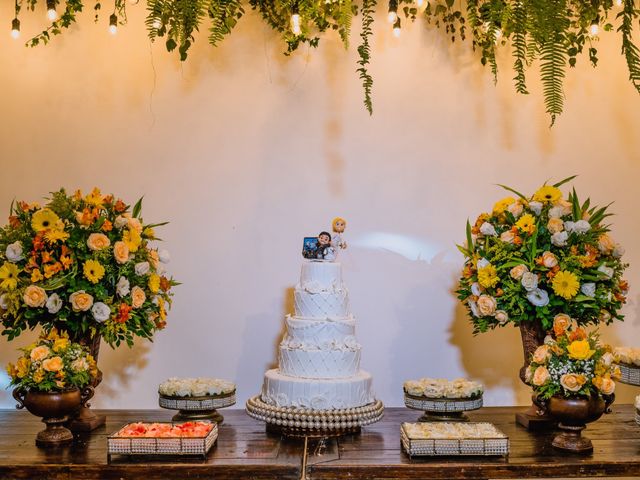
552, 33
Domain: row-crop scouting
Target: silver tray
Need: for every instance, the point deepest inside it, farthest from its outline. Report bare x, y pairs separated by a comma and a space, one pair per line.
209, 402
161, 446
490, 446
444, 405
629, 374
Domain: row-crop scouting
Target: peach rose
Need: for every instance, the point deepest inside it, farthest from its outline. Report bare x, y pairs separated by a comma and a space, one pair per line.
605, 385
549, 260
138, 297
541, 376
606, 244
560, 324
134, 224
35, 297
121, 252
508, 236
572, 382
39, 353
542, 354
154, 259
81, 301
98, 241
555, 225
517, 271
487, 305
53, 364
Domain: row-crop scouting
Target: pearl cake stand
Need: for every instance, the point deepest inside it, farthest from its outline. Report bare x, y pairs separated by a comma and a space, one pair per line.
443, 409
307, 422
198, 408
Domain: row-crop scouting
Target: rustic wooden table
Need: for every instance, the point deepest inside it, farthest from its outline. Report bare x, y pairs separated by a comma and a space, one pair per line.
245, 450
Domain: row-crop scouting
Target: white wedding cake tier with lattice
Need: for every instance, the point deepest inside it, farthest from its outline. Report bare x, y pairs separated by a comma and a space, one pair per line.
319, 356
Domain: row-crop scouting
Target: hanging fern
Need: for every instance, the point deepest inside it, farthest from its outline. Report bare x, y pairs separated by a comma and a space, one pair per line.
520, 45
629, 49
224, 15
364, 51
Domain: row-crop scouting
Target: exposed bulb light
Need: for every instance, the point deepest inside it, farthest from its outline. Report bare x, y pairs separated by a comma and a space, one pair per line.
397, 30
52, 15
393, 12
419, 2
498, 34
113, 24
594, 29
157, 24
618, 3
15, 28
393, 16
295, 24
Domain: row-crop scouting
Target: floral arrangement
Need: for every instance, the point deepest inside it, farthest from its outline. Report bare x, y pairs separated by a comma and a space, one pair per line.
83, 264
572, 363
195, 387
165, 430
53, 363
536, 258
442, 388
627, 355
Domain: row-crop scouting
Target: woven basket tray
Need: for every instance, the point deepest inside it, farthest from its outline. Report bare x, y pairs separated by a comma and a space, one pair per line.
210, 402
443, 405
161, 446
629, 374
490, 446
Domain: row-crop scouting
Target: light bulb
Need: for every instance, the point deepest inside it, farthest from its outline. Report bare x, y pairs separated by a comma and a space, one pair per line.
393, 16
113, 24
157, 24
594, 29
52, 15
498, 34
15, 28
618, 3
397, 30
295, 24
419, 2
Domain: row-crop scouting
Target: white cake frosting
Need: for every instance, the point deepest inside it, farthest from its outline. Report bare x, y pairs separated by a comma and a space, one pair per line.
319, 356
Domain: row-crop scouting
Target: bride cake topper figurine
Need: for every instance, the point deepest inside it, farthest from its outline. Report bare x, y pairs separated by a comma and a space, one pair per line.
338, 225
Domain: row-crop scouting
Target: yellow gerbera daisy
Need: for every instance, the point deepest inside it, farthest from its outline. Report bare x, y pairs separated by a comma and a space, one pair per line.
488, 276
44, 219
526, 223
56, 234
154, 283
548, 194
93, 271
566, 284
502, 205
95, 198
9, 276
133, 239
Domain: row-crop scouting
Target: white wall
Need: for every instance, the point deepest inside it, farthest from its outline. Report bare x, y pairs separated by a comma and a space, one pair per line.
245, 152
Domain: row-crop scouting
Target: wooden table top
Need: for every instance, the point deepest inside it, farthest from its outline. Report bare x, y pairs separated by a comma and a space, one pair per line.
245, 450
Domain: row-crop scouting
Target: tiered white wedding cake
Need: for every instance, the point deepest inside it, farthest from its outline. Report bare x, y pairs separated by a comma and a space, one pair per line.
319, 357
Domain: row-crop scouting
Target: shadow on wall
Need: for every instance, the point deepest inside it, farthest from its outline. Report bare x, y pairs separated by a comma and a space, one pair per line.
120, 368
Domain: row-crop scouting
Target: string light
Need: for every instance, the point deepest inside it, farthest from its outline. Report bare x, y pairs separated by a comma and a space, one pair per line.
498, 34
419, 2
15, 28
397, 30
157, 24
295, 24
113, 24
51, 10
618, 3
594, 29
393, 11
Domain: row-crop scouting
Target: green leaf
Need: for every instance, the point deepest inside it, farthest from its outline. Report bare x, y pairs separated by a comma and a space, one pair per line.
137, 208
470, 244
513, 191
566, 180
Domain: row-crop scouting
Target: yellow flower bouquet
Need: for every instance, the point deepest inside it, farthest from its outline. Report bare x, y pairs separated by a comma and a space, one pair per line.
572, 363
83, 264
52, 364
534, 258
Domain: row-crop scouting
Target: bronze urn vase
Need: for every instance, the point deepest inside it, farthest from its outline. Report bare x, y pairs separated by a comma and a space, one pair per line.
54, 408
573, 414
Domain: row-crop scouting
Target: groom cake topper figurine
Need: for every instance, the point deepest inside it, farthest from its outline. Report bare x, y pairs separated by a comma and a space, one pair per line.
323, 247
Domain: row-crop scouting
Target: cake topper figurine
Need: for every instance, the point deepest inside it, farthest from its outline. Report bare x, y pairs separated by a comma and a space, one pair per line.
338, 225
325, 250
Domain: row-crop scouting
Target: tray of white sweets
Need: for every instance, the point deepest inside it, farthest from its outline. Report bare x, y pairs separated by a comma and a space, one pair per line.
453, 439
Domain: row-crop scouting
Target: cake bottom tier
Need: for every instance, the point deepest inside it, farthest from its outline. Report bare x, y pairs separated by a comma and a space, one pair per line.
320, 394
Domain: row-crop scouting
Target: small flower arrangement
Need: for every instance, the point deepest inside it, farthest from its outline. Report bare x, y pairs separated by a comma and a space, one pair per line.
52, 364
443, 388
82, 263
533, 258
572, 363
195, 387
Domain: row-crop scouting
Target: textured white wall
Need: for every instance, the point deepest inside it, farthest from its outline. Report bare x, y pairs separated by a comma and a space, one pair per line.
245, 152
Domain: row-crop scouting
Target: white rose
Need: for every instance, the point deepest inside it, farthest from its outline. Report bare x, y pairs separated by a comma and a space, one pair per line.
54, 303
502, 317
618, 251
100, 311
487, 229
536, 207
164, 256
474, 308
538, 297
548, 340
4, 304
589, 289
556, 212
14, 252
580, 227
529, 281
607, 359
559, 239
483, 262
123, 287
475, 289
121, 222
515, 209
607, 271
142, 268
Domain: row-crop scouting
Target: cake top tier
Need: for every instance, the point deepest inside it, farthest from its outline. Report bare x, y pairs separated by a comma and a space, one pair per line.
319, 277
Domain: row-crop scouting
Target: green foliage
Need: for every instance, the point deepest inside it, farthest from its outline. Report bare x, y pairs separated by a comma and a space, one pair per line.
364, 51
629, 49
